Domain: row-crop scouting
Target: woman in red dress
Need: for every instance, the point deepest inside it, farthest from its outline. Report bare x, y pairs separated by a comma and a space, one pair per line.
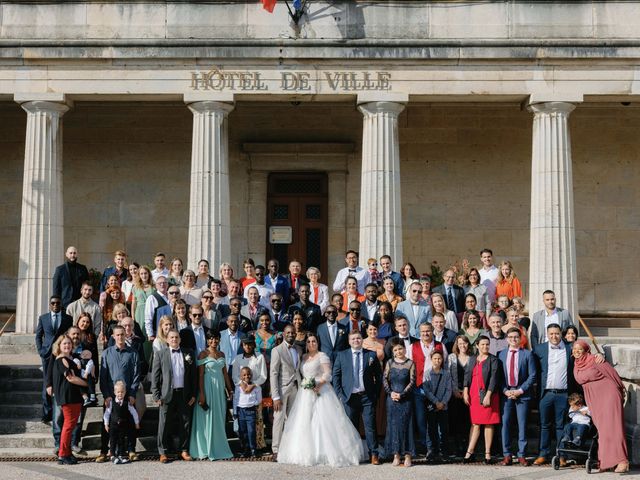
604, 393
480, 393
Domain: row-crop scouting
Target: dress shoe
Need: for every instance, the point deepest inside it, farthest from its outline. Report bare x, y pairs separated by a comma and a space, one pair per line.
540, 461
375, 460
101, 458
274, 458
487, 459
164, 459
563, 462
507, 460
46, 420
523, 462
186, 457
133, 456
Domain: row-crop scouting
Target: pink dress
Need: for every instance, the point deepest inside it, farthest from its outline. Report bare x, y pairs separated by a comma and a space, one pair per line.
604, 399
481, 415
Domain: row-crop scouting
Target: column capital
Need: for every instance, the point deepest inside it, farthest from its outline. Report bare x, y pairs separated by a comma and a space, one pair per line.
551, 107
46, 107
43, 102
373, 108
211, 106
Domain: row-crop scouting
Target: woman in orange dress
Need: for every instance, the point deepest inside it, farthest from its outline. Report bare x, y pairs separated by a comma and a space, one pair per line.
507, 283
375, 344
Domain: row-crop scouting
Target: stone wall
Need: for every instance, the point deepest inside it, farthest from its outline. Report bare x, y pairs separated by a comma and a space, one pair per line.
465, 181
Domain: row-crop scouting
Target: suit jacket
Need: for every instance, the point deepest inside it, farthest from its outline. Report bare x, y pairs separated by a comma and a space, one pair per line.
491, 375
346, 322
283, 374
45, 335
365, 311
188, 338
388, 353
448, 338
527, 371
162, 376
311, 312
342, 340
541, 354
225, 345
458, 296
283, 320
66, 287
343, 380
281, 287
405, 310
293, 292
253, 319
538, 331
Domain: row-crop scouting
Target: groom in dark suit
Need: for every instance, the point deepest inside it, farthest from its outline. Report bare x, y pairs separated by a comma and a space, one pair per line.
50, 326
174, 389
357, 378
333, 336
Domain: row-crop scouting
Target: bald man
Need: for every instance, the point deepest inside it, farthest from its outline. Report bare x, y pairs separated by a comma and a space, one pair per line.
69, 277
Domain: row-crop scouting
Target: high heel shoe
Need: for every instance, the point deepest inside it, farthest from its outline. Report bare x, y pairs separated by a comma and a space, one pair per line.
469, 458
487, 459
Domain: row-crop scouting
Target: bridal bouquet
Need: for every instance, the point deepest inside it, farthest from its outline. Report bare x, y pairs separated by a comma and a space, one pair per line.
309, 383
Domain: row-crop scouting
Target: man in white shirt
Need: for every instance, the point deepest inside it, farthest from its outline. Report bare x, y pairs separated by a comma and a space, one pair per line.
488, 273
352, 270
161, 269
157, 305
551, 314
86, 304
371, 303
264, 289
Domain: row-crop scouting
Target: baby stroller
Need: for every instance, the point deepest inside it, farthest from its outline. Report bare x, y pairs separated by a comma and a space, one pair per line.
587, 452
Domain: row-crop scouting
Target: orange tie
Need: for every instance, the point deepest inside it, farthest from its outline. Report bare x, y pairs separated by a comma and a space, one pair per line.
354, 326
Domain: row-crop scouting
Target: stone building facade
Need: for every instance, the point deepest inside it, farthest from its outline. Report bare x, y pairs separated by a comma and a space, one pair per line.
431, 129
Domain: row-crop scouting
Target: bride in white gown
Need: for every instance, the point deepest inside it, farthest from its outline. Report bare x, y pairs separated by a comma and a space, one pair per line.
318, 431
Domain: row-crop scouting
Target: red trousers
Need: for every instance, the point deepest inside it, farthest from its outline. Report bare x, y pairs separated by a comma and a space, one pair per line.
71, 413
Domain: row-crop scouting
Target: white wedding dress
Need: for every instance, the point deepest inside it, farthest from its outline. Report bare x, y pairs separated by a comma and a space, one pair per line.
318, 431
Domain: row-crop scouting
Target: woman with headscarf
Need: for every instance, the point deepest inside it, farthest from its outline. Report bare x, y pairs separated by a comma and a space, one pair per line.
604, 393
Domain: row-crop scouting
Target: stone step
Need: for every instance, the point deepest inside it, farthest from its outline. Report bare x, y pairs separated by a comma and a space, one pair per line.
18, 339
17, 425
13, 397
37, 453
615, 332
612, 322
14, 359
45, 440
613, 340
20, 371
11, 349
21, 385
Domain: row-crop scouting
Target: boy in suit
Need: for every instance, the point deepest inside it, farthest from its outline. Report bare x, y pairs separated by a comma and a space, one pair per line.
173, 388
519, 369
357, 378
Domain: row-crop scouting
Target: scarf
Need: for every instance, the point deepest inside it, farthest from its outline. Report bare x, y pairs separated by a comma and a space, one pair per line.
587, 361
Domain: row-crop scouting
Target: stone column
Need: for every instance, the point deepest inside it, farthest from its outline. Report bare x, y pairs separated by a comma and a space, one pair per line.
209, 217
552, 258
41, 228
380, 199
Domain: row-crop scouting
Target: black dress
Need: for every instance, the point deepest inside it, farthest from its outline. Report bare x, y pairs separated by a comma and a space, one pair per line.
399, 378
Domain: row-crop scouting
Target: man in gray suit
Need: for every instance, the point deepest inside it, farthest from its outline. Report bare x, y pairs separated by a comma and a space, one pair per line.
173, 387
545, 317
285, 377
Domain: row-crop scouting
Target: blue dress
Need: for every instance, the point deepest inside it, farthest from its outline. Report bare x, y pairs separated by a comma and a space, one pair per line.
208, 435
399, 378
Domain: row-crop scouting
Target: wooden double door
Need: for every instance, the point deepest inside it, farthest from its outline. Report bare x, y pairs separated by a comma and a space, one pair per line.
297, 219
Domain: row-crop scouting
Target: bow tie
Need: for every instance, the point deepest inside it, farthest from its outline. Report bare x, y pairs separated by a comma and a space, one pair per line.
352, 270
175, 351
555, 347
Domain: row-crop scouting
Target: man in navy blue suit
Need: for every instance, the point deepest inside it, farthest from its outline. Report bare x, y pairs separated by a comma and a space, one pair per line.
519, 369
333, 336
278, 282
50, 326
556, 383
357, 378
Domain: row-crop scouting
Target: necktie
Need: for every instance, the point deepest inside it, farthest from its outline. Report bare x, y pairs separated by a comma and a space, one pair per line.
512, 369
277, 317
451, 304
295, 282
54, 317
332, 334
356, 371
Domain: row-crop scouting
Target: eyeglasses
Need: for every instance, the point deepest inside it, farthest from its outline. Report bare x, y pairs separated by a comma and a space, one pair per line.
196, 315
174, 293
373, 264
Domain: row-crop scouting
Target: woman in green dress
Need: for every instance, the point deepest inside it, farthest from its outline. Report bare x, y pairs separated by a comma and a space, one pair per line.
208, 435
143, 288
472, 328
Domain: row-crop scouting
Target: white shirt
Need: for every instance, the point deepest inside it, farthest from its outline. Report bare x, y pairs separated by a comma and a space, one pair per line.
407, 346
358, 383
255, 362
548, 320
150, 305
360, 274
201, 342
488, 278
265, 292
580, 416
155, 273
294, 354
107, 413
426, 351
557, 373
177, 367
371, 309
246, 400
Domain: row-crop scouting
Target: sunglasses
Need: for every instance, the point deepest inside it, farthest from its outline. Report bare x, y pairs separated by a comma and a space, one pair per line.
331, 312
355, 309
196, 314
54, 303
174, 293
